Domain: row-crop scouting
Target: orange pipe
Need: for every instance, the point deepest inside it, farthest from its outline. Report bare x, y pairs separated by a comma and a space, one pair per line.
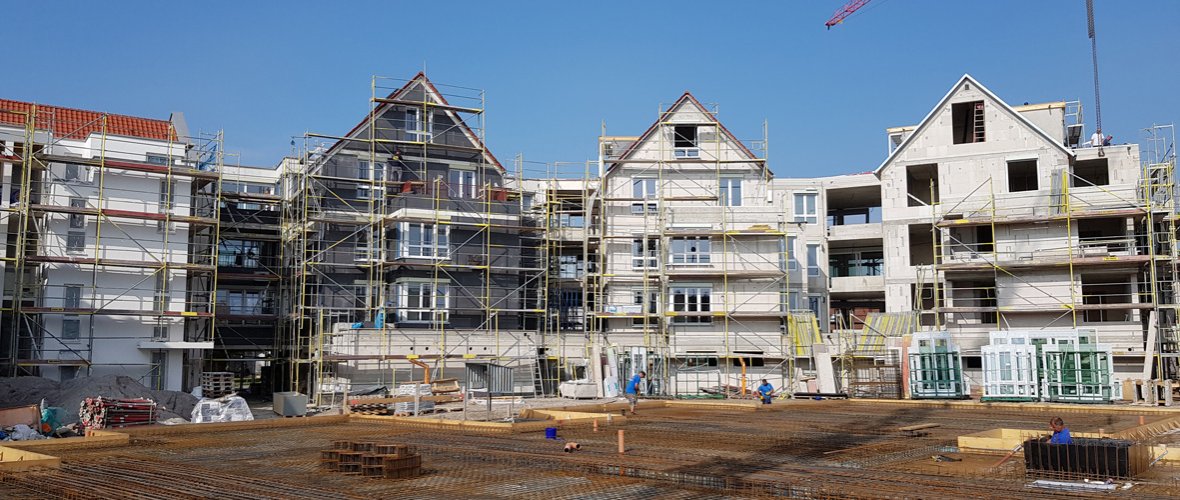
743, 383
425, 368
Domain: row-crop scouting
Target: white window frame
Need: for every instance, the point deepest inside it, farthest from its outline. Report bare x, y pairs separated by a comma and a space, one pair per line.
693, 303
687, 152
813, 269
366, 192
792, 256
437, 246
363, 251
648, 308
68, 302
155, 159
645, 253
417, 132
646, 192
694, 251
427, 310
70, 236
803, 212
461, 183
730, 188
167, 196
77, 221
570, 267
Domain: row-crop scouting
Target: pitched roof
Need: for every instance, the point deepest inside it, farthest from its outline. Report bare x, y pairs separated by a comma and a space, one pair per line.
432, 91
687, 97
966, 78
72, 123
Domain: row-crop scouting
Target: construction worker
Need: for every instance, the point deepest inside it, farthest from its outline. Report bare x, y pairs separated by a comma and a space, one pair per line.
632, 390
766, 391
1060, 432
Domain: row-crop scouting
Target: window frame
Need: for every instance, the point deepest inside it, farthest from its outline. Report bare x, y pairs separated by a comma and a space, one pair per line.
803, 213
435, 296
645, 253
646, 191
728, 186
461, 183
438, 248
688, 254
813, 268
703, 303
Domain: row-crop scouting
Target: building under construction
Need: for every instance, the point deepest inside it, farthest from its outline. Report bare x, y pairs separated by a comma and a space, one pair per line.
404, 250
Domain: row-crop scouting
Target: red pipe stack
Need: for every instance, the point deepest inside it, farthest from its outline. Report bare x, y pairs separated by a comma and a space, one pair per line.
100, 412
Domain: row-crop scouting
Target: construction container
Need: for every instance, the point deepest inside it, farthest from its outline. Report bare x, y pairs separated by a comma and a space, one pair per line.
936, 367
1086, 458
290, 404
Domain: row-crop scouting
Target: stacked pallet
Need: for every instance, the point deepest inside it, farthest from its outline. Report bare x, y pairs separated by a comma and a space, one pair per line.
101, 413
216, 384
372, 459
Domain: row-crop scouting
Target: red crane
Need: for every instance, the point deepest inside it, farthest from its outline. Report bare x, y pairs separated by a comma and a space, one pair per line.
843, 12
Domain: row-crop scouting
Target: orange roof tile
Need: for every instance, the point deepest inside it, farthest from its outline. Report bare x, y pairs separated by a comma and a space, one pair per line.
78, 124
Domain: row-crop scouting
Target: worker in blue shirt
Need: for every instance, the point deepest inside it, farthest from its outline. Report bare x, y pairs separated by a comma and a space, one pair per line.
632, 389
766, 391
1060, 432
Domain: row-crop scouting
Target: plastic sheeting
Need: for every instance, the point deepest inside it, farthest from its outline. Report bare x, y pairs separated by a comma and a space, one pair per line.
224, 409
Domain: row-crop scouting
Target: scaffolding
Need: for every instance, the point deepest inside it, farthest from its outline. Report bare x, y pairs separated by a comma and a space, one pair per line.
688, 257
111, 230
403, 240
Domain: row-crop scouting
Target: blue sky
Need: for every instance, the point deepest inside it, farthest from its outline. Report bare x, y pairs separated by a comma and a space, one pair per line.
554, 71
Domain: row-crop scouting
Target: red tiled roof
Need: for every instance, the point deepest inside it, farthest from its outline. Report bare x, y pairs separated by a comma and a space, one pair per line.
78, 124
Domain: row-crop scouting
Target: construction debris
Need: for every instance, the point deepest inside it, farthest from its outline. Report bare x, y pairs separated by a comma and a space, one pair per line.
68, 395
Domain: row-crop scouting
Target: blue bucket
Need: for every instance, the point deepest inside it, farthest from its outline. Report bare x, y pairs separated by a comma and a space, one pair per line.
550, 433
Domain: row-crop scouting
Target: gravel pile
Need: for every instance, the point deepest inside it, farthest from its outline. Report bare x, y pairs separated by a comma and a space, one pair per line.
18, 391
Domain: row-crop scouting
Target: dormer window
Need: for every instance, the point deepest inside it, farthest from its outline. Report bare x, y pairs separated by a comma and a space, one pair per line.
685, 141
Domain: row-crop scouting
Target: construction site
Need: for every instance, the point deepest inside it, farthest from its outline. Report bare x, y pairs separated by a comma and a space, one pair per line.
990, 312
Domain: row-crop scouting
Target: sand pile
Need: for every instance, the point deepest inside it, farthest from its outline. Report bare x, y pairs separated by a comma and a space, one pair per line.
68, 395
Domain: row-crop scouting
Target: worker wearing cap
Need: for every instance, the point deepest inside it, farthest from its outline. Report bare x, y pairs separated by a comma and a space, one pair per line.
632, 390
766, 391
1060, 432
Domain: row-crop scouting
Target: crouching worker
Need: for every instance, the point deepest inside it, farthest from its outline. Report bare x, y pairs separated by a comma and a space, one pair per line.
766, 391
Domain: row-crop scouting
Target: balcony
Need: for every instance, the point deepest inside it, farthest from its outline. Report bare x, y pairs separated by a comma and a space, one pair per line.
857, 285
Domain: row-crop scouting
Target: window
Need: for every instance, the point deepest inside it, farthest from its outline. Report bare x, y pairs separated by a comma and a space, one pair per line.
1090, 173
813, 261
160, 333
415, 130
68, 372
72, 172
167, 195
241, 302
239, 253
570, 266
159, 367
461, 183
731, 191
73, 297
805, 210
921, 184
816, 304
684, 141
792, 257
162, 293
967, 122
645, 253
1022, 176
71, 327
652, 303
367, 192
692, 300
75, 241
690, 250
362, 250
156, 159
644, 188
77, 221
423, 302
424, 240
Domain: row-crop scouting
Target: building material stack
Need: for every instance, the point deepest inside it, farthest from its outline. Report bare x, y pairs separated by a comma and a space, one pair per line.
372, 459
413, 407
216, 384
1059, 365
936, 368
100, 412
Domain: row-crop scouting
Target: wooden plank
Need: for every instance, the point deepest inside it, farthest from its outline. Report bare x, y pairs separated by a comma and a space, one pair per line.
918, 427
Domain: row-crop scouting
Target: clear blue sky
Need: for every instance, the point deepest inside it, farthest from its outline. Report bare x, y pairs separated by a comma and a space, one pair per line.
553, 71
